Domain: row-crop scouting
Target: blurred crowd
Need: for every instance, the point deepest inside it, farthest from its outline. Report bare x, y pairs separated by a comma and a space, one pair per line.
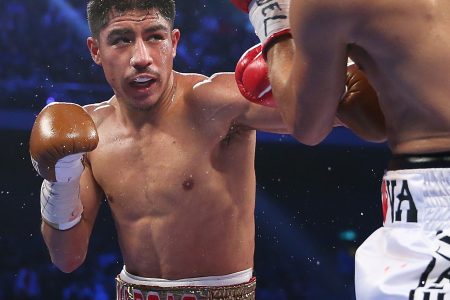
44, 52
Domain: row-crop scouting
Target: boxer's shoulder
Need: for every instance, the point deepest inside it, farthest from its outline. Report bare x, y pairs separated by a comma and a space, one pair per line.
187, 81
100, 111
188, 86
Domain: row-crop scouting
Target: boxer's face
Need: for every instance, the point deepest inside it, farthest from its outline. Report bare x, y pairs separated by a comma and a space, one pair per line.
136, 50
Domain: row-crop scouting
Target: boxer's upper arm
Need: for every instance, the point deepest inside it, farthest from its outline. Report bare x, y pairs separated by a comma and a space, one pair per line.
91, 195
220, 94
320, 32
262, 118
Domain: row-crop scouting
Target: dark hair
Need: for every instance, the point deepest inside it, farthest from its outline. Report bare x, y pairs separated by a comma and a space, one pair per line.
98, 10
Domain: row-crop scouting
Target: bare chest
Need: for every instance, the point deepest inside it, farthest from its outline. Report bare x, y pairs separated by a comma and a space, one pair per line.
152, 172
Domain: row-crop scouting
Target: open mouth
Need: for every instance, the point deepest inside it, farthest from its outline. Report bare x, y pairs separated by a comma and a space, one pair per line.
142, 81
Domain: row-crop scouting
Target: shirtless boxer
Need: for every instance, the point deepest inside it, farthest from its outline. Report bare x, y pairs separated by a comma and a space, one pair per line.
172, 153
404, 49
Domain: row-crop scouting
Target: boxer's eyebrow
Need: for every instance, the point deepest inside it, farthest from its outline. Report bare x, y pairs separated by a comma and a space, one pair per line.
118, 32
154, 28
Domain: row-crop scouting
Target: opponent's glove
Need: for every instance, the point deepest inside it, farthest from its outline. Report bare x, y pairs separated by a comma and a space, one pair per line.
268, 17
60, 136
359, 108
252, 77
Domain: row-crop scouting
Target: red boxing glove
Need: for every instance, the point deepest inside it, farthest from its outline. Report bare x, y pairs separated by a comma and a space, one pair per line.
252, 77
242, 4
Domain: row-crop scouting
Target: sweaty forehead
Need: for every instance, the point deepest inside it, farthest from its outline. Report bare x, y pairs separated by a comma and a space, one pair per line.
133, 16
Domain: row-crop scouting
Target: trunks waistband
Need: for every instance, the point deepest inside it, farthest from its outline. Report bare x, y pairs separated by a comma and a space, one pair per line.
128, 291
218, 280
419, 161
417, 198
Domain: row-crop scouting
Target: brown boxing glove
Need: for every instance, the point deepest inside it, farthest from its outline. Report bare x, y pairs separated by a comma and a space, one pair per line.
359, 109
60, 136
60, 129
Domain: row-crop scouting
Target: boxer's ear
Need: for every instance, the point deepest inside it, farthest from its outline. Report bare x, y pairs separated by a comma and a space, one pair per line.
92, 44
175, 38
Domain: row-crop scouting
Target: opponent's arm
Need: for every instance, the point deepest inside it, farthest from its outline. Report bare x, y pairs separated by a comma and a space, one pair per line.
310, 96
61, 134
296, 68
308, 79
358, 109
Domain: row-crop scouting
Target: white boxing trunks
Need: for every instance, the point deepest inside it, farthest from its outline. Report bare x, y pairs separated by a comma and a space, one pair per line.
238, 286
409, 257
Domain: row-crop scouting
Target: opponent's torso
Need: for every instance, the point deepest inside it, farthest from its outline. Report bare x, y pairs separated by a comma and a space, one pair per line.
404, 47
181, 192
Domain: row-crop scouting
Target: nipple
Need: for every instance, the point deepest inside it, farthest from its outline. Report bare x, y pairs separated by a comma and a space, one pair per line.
188, 184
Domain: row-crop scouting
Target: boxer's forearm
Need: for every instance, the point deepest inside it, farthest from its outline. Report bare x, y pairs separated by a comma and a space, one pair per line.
67, 248
279, 59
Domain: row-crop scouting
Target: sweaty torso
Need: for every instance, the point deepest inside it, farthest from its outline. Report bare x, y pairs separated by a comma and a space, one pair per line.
404, 47
181, 190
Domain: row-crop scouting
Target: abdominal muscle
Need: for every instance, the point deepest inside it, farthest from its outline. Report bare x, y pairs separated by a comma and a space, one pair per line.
186, 247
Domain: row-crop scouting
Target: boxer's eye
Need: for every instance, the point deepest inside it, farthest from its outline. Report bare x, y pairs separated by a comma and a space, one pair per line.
156, 37
120, 41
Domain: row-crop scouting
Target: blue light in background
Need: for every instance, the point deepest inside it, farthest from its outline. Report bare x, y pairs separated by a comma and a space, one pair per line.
50, 100
73, 17
348, 235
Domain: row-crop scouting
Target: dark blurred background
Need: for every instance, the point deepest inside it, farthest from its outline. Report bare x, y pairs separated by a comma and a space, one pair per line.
315, 205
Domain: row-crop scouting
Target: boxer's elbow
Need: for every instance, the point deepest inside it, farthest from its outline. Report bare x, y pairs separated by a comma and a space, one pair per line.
68, 248
307, 138
68, 264
375, 139
309, 135
308, 141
